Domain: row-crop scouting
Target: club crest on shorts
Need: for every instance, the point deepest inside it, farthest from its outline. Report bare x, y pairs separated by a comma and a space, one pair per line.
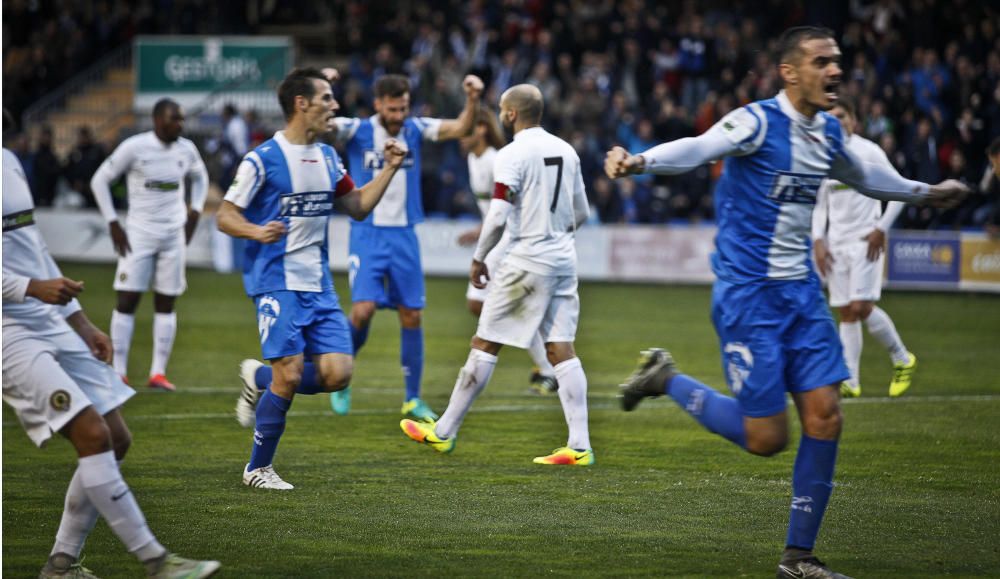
739, 363
268, 311
60, 400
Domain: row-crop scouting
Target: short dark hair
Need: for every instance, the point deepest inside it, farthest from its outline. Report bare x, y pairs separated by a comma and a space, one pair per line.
163, 105
847, 104
790, 43
299, 82
994, 149
392, 86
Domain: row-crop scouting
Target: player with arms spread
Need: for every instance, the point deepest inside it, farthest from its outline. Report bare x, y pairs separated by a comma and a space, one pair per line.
775, 332
483, 144
281, 200
539, 195
848, 231
56, 377
159, 229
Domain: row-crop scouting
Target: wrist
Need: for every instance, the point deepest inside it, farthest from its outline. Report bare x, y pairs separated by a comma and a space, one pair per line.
639, 164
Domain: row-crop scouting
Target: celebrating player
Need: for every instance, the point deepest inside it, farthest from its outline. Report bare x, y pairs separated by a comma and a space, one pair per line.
539, 195
281, 200
482, 144
57, 379
775, 332
159, 229
848, 231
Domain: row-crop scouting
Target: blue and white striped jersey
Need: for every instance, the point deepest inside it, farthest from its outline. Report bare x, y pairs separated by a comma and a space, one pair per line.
296, 184
402, 204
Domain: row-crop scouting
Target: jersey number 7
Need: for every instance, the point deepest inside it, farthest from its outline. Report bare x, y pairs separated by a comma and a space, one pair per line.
558, 162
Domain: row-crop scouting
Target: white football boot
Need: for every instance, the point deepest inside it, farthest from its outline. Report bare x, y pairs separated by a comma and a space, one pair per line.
264, 478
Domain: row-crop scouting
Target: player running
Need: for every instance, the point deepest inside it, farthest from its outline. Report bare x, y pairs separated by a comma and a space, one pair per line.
159, 228
281, 199
775, 332
482, 145
848, 231
539, 195
56, 377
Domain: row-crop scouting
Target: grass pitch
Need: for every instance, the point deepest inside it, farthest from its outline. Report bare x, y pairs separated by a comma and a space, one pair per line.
917, 480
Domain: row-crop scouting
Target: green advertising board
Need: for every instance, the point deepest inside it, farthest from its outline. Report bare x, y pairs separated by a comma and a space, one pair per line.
206, 70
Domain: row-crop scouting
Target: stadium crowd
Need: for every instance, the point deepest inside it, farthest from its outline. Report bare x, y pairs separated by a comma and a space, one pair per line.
925, 75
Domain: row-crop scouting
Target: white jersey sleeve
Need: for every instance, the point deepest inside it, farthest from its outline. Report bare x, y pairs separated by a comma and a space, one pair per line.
247, 182
346, 127
428, 126
741, 132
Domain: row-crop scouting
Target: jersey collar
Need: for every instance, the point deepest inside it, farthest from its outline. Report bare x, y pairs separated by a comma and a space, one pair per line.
790, 111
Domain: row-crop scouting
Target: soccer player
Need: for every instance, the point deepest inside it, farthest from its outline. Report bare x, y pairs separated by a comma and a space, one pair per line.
482, 145
539, 195
281, 200
159, 228
775, 332
848, 231
56, 377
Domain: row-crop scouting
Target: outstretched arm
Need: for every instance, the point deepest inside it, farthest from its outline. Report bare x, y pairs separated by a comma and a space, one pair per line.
463, 125
881, 181
358, 203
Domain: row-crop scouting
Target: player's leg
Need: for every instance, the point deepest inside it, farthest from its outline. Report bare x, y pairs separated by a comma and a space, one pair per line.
881, 327
408, 294
368, 264
543, 377
843, 281
122, 327
328, 343
132, 278
169, 282
852, 340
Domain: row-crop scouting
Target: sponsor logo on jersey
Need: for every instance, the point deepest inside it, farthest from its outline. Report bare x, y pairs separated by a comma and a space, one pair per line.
374, 160
307, 204
162, 185
795, 187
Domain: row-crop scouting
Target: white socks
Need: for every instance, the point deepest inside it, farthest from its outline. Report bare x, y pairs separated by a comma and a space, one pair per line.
472, 378
103, 484
881, 328
539, 357
164, 330
573, 396
121, 338
851, 338
78, 518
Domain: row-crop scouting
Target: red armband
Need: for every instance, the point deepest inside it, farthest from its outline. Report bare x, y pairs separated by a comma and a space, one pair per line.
344, 186
501, 191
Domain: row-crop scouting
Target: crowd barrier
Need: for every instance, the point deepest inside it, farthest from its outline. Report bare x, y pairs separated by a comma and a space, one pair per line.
921, 260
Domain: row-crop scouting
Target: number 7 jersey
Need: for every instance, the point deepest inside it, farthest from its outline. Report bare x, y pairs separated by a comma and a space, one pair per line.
539, 174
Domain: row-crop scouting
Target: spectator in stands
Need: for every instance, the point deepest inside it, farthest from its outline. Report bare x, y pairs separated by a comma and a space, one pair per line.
86, 156
988, 213
922, 156
234, 144
46, 171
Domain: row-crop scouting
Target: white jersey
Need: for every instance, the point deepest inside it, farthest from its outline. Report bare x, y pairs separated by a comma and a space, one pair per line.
481, 177
26, 257
542, 174
155, 173
842, 215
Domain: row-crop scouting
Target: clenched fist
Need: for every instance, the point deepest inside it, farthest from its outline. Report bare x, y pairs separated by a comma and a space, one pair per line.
473, 86
394, 153
618, 163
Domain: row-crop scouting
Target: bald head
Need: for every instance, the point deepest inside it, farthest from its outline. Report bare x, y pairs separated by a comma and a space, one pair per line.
526, 100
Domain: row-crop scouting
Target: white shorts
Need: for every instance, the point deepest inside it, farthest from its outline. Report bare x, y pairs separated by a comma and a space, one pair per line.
48, 380
493, 259
852, 277
520, 303
159, 256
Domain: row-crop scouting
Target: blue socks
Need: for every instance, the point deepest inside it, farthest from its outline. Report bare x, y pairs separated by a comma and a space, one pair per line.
271, 411
309, 385
812, 483
411, 357
718, 413
358, 336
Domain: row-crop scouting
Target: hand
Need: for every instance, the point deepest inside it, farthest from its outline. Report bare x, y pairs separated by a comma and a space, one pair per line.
477, 272
58, 291
331, 74
618, 163
99, 344
271, 232
191, 225
119, 239
473, 86
824, 259
469, 237
947, 194
876, 243
394, 153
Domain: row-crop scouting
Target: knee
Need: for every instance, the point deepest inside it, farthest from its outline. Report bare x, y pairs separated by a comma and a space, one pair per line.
559, 352
766, 444
121, 443
337, 382
847, 314
91, 437
825, 423
409, 318
864, 309
362, 313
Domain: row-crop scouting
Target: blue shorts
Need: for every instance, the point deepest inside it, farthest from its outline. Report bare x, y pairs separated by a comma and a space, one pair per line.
385, 267
294, 322
775, 337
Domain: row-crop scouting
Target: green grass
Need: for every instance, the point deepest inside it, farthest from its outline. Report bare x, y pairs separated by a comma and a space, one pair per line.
918, 477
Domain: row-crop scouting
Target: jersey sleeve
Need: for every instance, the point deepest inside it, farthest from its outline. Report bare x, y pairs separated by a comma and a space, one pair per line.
428, 127
741, 132
110, 170
248, 180
745, 128
507, 173
346, 128
343, 184
199, 179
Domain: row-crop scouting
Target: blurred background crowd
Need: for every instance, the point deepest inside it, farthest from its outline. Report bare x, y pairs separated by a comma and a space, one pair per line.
924, 73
